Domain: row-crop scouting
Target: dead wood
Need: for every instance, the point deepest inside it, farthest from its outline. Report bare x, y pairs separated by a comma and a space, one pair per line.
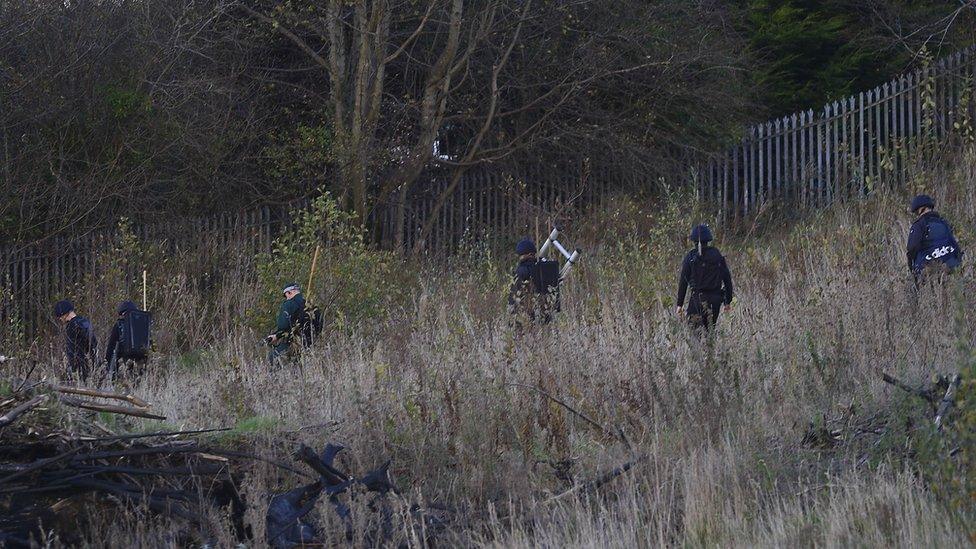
51, 460
597, 482
111, 408
921, 393
152, 435
947, 401
558, 401
135, 401
41, 464
308, 456
12, 415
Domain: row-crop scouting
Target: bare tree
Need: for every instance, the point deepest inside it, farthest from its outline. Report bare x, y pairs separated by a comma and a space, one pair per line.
483, 82
354, 44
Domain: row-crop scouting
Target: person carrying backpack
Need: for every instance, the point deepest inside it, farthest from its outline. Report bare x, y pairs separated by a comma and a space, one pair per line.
129, 340
289, 316
705, 271
533, 296
80, 343
932, 247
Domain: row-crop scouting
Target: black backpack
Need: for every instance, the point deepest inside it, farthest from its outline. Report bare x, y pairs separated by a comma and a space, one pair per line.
309, 324
706, 270
135, 339
547, 279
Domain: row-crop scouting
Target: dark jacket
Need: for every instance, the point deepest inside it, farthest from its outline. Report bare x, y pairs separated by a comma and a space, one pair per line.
706, 273
526, 269
930, 239
113, 339
80, 344
289, 314
523, 281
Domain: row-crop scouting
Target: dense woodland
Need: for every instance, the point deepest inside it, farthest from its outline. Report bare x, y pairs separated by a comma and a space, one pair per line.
154, 109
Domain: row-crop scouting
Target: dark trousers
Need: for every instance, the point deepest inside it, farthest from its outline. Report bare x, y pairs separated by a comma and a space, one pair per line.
704, 308
935, 272
277, 355
80, 367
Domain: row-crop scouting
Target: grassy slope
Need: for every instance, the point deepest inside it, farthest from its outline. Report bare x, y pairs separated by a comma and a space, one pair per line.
823, 304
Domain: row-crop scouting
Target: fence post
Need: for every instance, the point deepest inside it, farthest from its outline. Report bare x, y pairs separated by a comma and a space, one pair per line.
735, 185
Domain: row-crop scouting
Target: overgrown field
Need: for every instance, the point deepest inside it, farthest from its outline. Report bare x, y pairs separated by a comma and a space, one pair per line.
777, 432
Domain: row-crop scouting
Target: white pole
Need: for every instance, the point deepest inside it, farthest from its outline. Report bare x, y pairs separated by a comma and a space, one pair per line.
569, 264
545, 246
562, 250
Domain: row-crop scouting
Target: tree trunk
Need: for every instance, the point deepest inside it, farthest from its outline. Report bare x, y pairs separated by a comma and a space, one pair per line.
400, 220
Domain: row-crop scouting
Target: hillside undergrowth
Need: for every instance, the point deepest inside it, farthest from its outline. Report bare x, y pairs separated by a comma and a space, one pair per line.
727, 431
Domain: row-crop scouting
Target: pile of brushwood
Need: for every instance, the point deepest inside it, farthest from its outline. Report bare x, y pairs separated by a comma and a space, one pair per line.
59, 463
63, 461
291, 524
828, 433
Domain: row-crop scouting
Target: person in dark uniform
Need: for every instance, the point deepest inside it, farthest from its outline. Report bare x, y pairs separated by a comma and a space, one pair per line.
705, 271
527, 303
288, 316
80, 343
112, 355
932, 247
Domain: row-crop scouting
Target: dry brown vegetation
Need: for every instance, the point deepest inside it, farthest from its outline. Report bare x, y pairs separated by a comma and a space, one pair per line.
438, 383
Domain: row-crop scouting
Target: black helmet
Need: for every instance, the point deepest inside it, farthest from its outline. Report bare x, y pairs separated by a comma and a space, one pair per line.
701, 233
922, 201
63, 307
125, 307
525, 246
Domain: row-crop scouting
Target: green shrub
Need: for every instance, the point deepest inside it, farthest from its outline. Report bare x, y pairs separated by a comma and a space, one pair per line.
646, 245
352, 283
948, 458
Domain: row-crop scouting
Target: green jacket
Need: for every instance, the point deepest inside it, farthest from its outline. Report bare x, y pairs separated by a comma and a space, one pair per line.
291, 309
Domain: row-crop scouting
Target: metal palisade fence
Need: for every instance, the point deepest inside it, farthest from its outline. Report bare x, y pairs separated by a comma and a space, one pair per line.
811, 158
33, 276
808, 159
487, 207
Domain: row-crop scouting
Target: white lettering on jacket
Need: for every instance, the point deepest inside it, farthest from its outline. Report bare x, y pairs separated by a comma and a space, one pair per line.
939, 252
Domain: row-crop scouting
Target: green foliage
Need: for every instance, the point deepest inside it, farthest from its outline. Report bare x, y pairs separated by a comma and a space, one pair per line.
813, 52
246, 428
124, 102
13, 333
647, 244
122, 264
192, 361
304, 151
948, 458
810, 53
352, 282
959, 470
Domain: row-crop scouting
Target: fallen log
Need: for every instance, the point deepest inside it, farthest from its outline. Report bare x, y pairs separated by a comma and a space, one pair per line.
945, 386
615, 432
255, 457
288, 525
38, 465
111, 408
133, 452
921, 393
56, 463
596, 483
135, 401
947, 401
308, 456
12, 415
151, 435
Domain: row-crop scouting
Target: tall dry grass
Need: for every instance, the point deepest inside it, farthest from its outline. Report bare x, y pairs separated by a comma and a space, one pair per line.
439, 385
